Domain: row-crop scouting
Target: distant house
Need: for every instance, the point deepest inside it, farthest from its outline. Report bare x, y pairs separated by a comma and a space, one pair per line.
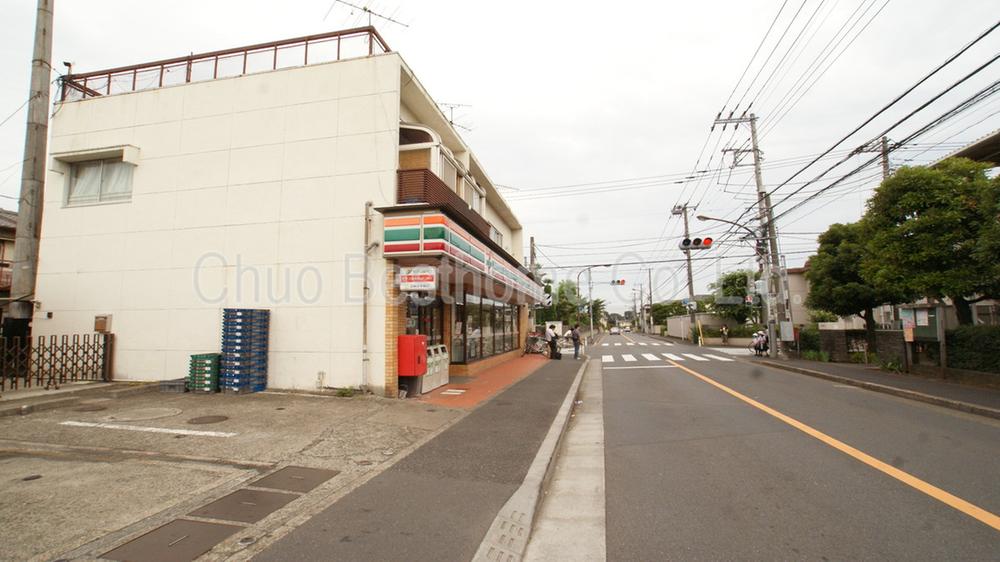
8, 228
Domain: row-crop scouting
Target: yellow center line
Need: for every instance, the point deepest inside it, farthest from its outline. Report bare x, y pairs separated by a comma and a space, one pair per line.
956, 502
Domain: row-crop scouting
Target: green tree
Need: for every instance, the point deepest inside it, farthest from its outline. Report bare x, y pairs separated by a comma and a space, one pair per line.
663, 310
932, 233
835, 281
598, 308
734, 284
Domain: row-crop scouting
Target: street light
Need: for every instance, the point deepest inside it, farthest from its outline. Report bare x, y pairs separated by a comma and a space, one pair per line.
590, 293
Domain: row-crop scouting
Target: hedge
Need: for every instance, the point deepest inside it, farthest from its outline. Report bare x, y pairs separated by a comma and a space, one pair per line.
976, 348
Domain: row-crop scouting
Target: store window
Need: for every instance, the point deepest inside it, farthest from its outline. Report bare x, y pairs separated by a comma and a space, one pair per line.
473, 328
482, 328
458, 330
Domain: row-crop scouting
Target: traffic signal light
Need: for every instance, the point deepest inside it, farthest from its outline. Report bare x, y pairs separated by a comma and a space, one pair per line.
695, 244
617, 281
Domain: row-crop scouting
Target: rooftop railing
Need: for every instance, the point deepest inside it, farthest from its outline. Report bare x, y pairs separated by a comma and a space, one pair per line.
300, 51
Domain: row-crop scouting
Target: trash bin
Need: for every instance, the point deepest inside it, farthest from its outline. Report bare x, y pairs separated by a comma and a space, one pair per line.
437, 375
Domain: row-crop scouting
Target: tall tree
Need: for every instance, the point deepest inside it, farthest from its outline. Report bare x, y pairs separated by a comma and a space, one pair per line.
734, 286
663, 310
932, 233
835, 281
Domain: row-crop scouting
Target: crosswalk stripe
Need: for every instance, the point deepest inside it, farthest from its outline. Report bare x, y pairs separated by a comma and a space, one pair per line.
655, 344
667, 343
693, 356
718, 357
650, 357
604, 345
607, 359
617, 343
642, 343
673, 357
628, 358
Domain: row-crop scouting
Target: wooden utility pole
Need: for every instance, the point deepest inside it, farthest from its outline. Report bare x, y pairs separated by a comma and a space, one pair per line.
692, 305
649, 273
885, 157
29, 210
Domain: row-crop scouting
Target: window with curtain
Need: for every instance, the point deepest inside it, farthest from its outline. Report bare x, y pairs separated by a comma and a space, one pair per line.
99, 181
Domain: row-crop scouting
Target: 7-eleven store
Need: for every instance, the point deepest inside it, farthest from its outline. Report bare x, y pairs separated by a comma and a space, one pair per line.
479, 306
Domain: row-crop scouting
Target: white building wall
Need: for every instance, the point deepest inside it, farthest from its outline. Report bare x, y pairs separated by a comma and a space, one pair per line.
244, 187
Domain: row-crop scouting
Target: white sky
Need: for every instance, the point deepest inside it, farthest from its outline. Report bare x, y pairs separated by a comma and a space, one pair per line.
565, 93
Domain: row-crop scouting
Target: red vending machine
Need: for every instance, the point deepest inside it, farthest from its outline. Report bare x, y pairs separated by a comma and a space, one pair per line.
412, 356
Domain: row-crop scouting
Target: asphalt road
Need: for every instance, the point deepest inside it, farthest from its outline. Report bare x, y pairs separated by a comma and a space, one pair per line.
696, 473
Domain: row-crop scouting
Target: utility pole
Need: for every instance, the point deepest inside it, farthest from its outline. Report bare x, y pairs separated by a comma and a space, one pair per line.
766, 217
692, 305
885, 157
649, 273
29, 209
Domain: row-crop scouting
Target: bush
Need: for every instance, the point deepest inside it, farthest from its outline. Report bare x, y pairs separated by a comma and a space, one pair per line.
862, 357
976, 348
816, 356
809, 339
892, 366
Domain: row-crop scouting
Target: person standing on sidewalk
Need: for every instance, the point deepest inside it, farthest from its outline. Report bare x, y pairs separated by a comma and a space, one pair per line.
575, 335
550, 338
724, 330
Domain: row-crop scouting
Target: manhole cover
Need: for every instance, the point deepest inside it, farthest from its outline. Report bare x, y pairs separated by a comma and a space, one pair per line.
245, 506
202, 420
295, 479
178, 540
90, 408
141, 414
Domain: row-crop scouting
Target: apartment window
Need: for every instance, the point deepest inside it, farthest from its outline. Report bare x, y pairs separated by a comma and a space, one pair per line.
99, 181
474, 197
496, 235
449, 173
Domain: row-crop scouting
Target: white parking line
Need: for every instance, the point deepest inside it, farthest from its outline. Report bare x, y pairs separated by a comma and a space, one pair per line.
149, 429
718, 358
693, 356
650, 357
607, 359
673, 357
641, 367
628, 358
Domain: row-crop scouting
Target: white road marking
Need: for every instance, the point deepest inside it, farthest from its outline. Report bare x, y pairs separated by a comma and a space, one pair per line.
695, 357
718, 358
149, 429
655, 344
618, 343
452, 392
604, 345
607, 359
641, 367
643, 343
667, 343
628, 358
673, 357
650, 357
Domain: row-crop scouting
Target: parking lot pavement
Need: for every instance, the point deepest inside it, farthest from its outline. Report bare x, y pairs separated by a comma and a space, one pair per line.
99, 473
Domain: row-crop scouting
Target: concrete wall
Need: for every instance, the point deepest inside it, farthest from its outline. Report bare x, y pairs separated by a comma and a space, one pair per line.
680, 326
249, 192
798, 292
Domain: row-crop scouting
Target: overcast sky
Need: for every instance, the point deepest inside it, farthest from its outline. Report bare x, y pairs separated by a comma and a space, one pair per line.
579, 93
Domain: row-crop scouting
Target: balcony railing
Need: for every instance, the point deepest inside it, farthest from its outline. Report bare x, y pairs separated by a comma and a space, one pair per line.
422, 186
300, 51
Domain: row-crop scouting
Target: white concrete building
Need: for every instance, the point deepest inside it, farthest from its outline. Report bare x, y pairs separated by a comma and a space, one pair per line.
242, 178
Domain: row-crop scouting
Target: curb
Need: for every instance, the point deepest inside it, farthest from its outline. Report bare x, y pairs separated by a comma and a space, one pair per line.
894, 391
70, 398
26, 409
507, 538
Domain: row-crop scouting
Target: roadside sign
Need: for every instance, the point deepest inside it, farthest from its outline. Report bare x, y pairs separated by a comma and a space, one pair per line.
418, 278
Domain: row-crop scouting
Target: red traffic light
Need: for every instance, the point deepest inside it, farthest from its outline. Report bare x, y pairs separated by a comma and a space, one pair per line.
688, 244
617, 281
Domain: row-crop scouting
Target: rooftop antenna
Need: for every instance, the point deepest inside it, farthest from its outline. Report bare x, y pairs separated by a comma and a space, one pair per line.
451, 114
364, 9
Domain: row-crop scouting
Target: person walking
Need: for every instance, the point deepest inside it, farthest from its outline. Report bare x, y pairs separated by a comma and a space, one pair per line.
724, 330
575, 335
550, 338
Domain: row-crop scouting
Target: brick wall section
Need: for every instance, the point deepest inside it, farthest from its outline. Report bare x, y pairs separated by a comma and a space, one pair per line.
395, 325
835, 343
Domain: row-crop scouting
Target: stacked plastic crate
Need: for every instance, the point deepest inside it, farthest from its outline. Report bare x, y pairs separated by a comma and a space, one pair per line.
244, 350
203, 375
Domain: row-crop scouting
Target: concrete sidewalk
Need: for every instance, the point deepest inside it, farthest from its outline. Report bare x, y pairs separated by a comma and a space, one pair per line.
972, 399
438, 503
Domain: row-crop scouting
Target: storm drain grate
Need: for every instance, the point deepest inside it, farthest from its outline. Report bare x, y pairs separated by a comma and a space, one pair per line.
295, 479
177, 541
245, 506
